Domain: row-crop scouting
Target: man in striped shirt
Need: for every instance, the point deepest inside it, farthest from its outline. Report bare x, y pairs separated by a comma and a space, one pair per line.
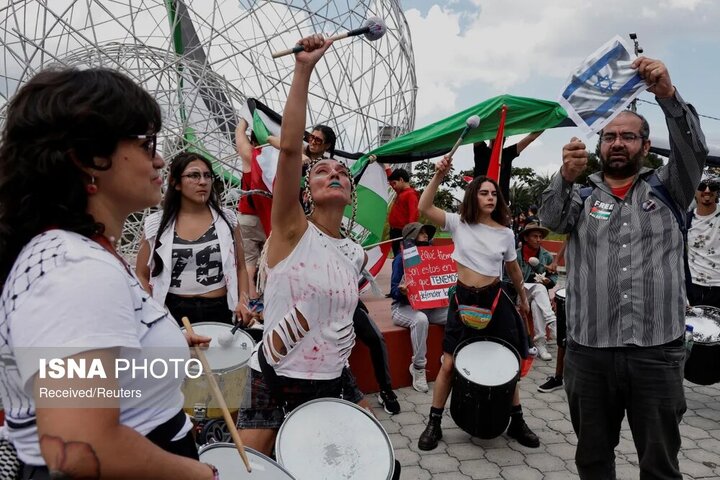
626, 286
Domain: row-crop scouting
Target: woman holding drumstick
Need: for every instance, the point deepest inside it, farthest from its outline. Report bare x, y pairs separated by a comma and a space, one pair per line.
483, 246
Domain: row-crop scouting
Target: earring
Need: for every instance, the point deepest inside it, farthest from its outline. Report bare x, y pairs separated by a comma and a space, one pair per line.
91, 188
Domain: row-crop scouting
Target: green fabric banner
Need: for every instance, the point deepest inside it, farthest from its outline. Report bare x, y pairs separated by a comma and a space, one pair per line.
524, 115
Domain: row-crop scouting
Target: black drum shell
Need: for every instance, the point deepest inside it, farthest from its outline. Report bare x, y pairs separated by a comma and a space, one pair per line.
480, 410
702, 365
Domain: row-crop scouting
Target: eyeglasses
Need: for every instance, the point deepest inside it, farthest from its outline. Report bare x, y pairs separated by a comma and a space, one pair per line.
315, 139
626, 137
714, 187
150, 146
197, 176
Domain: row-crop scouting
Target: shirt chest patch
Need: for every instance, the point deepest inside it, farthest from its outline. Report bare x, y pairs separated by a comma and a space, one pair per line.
601, 210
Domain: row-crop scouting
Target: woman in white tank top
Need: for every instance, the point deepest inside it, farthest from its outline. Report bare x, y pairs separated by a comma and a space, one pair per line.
312, 270
483, 246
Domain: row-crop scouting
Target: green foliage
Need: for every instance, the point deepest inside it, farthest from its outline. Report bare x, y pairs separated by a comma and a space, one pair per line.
444, 199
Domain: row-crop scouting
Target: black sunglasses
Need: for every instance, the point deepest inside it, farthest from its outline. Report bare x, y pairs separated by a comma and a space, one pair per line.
151, 145
713, 186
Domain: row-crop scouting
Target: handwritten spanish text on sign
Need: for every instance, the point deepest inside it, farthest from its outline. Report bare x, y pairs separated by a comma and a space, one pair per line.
428, 282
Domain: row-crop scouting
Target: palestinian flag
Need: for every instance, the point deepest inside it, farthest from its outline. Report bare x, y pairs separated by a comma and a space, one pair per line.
370, 179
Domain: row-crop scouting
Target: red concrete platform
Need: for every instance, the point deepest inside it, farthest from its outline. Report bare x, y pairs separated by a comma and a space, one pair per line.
397, 340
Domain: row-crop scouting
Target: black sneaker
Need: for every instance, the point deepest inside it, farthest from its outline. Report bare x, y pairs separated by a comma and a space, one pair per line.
431, 436
519, 430
389, 401
552, 384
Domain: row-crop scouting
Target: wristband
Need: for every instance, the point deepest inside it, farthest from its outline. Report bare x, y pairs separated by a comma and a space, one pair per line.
216, 474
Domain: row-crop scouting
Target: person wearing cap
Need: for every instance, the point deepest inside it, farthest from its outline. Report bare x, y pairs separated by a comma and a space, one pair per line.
403, 314
533, 260
703, 246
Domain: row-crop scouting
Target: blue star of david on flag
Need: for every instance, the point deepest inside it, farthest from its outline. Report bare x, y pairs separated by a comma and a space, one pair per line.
602, 86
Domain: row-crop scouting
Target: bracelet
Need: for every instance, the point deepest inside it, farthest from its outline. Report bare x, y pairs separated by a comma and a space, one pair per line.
216, 474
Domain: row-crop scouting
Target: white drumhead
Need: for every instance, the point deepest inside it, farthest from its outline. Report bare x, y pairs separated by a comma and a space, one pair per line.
226, 458
561, 293
706, 324
332, 439
487, 363
225, 357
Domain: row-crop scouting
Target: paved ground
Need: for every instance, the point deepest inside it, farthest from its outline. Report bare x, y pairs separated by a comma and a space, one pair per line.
460, 456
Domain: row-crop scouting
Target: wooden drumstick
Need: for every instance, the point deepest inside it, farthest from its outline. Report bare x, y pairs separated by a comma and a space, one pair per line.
219, 398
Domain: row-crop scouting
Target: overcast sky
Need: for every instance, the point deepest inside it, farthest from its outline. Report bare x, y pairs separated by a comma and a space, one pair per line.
467, 51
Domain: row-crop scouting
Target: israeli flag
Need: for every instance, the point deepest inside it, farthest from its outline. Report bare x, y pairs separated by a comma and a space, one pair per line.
602, 86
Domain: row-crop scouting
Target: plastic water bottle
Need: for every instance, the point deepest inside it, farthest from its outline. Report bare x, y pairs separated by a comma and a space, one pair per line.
688, 337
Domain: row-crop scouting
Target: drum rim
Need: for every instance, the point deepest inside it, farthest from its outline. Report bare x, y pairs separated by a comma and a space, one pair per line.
236, 366
388, 442
486, 338
210, 446
563, 295
690, 314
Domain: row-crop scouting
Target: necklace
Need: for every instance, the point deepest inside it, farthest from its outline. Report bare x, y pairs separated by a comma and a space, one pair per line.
325, 229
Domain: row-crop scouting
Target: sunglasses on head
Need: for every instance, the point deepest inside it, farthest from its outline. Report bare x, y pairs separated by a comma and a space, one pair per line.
713, 186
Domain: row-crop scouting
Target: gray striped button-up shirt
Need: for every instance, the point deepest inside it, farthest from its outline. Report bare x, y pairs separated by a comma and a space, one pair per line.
626, 277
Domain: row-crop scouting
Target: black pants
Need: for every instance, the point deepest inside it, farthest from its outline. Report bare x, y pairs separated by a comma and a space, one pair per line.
198, 309
647, 383
395, 233
370, 335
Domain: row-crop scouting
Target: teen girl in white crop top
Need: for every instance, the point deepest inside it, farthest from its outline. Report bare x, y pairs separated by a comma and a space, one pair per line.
484, 245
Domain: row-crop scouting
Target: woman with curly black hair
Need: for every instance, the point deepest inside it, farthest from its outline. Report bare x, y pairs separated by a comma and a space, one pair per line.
78, 155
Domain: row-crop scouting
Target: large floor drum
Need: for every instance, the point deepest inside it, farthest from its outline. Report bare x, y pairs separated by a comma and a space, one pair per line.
703, 364
333, 439
229, 364
486, 372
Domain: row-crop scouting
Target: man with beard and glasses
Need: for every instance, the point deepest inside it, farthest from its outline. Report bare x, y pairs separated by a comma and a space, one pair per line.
625, 284
704, 246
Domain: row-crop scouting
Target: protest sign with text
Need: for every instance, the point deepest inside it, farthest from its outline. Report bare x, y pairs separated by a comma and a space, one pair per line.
428, 282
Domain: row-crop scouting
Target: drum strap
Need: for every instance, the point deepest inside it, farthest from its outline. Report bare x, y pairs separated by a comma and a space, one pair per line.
474, 316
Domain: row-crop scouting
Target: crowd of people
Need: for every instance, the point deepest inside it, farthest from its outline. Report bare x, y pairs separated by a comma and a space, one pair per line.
78, 155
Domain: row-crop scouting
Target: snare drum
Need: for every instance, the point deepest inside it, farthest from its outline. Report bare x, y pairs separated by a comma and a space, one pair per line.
329, 438
228, 363
702, 366
226, 458
486, 372
561, 325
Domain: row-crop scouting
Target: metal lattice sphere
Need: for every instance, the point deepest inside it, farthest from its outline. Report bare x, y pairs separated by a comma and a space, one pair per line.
202, 58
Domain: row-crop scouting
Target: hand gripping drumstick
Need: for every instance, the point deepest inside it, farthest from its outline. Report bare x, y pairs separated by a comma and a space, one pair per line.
470, 123
373, 29
219, 397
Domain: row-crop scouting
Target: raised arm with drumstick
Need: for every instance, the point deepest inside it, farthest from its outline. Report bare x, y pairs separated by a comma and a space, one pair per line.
483, 246
312, 269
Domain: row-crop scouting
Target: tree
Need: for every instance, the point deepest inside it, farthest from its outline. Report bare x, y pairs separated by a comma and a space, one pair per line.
424, 171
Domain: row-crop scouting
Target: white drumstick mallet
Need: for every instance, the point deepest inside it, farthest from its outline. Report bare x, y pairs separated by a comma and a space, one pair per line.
470, 123
373, 29
533, 261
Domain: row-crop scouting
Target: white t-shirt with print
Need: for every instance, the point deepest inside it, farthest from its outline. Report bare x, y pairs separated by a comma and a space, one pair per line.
66, 295
704, 249
479, 247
